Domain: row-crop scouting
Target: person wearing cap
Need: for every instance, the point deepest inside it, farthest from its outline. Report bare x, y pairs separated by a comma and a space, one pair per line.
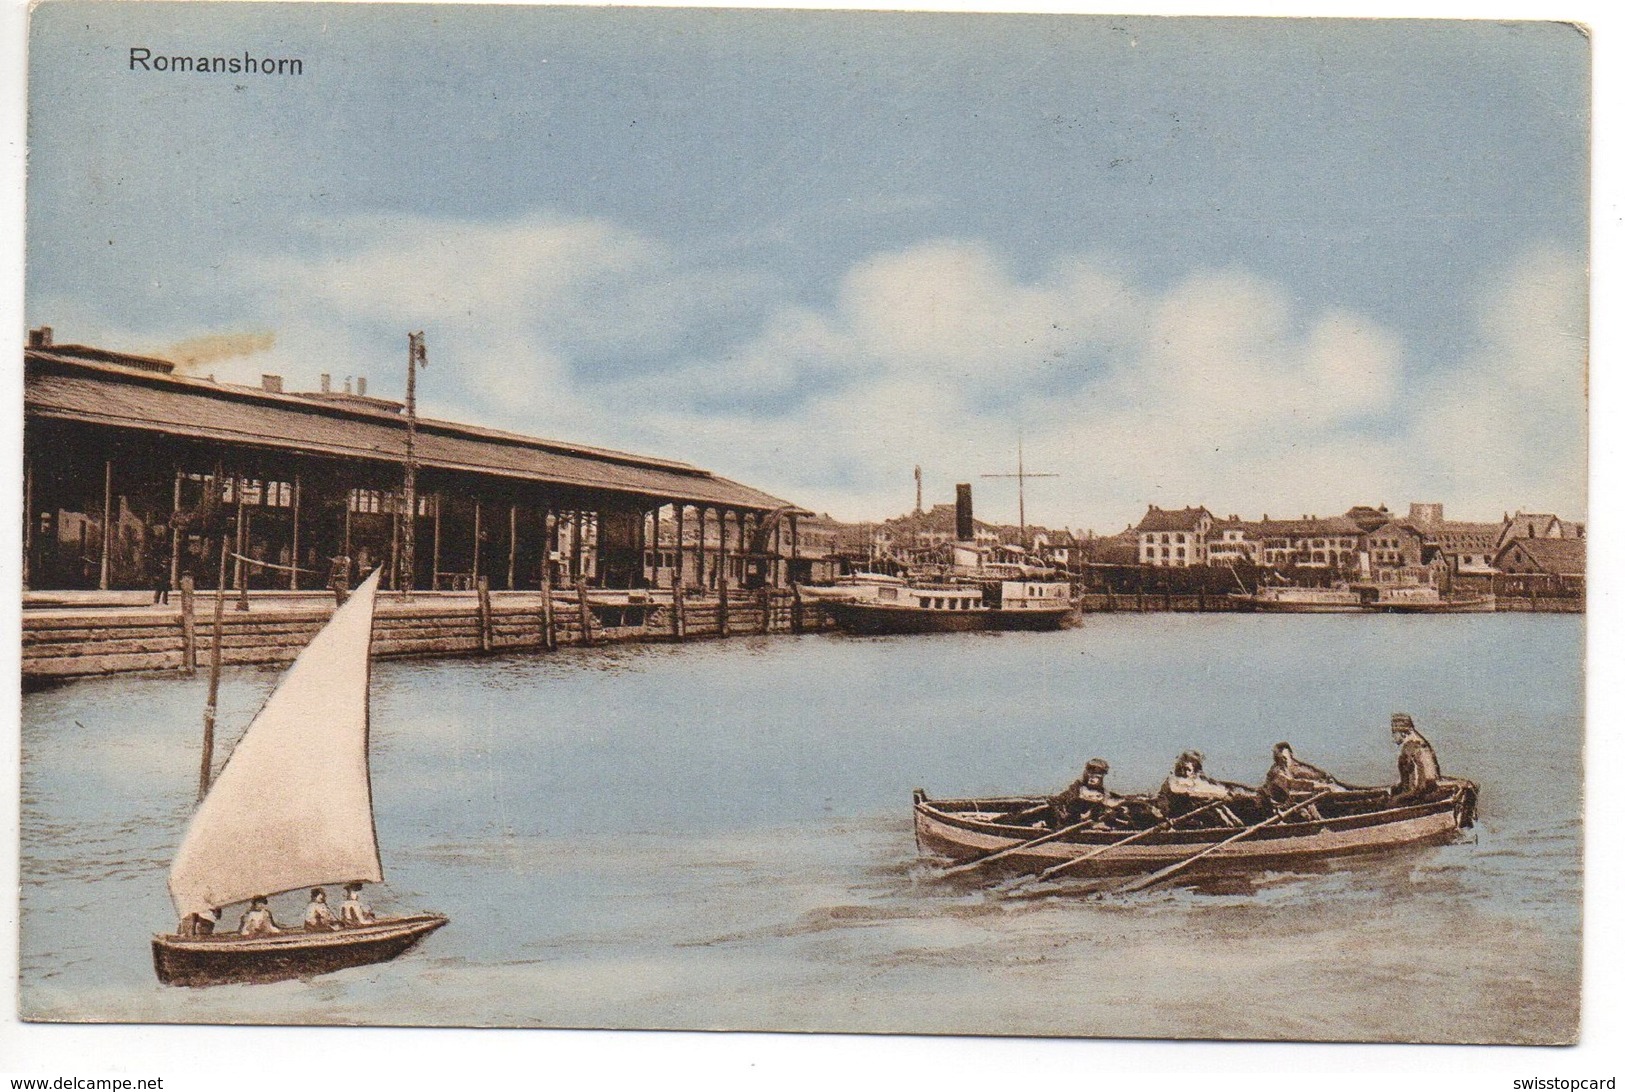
352, 911
1290, 781
1189, 787
1418, 764
1085, 799
318, 915
258, 922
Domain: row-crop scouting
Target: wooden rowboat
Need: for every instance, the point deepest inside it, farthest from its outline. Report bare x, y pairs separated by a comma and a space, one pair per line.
232, 957
1363, 821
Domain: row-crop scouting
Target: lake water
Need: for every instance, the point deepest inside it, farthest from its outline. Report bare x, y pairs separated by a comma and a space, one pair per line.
717, 835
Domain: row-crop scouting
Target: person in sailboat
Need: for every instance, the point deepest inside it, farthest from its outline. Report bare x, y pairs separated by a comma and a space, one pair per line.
1189, 788
1291, 780
319, 917
257, 921
198, 925
352, 911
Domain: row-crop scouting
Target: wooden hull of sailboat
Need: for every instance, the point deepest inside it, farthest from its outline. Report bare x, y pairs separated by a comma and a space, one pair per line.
1362, 823
231, 958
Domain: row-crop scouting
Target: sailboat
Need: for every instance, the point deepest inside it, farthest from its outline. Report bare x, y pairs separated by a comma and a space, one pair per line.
292, 808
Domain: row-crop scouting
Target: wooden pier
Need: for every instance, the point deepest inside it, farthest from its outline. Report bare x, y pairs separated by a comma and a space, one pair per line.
66, 641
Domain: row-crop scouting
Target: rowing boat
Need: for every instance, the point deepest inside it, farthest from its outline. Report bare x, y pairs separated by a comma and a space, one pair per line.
1352, 823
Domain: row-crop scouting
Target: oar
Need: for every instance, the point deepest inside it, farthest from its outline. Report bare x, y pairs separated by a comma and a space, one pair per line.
1166, 824
1024, 813
997, 854
1179, 866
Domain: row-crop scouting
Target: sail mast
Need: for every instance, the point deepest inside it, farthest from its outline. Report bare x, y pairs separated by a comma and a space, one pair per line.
206, 768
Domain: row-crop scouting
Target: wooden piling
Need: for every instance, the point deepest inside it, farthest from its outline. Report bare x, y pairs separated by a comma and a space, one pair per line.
766, 598
550, 633
188, 625
679, 624
484, 586
722, 597
798, 618
585, 610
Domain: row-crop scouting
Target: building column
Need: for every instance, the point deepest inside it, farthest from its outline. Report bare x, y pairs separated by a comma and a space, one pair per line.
474, 569
107, 522
28, 517
578, 523
293, 568
678, 508
434, 563
174, 535
699, 548
513, 540
795, 547
396, 504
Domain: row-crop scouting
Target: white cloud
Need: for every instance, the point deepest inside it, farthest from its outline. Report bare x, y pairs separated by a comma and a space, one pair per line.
1507, 425
1220, 388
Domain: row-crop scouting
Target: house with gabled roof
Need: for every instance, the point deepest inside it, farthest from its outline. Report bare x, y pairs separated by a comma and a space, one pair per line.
1543, 557
1174, 537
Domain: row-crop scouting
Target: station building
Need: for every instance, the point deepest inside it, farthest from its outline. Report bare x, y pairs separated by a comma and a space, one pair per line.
136, 474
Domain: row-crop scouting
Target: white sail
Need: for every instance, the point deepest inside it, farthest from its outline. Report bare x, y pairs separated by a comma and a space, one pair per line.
293, 805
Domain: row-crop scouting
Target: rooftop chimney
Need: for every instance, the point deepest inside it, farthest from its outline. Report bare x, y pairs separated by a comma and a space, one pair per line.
361, 386
39, 338
272, 383
964, 525
327, 383
347, 389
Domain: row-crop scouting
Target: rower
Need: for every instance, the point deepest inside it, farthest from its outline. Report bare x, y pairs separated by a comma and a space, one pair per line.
1085, 799
1189, 788
1290, 780
1418, 764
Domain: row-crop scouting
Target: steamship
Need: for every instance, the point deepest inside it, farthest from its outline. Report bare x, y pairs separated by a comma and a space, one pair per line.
968, 595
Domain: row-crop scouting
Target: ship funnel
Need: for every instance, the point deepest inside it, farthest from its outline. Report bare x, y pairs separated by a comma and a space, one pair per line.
964, 525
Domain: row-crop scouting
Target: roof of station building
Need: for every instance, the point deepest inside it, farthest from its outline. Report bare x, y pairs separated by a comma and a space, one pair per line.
98, 387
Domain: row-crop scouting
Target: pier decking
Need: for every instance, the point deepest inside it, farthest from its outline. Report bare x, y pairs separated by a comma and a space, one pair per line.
66, 636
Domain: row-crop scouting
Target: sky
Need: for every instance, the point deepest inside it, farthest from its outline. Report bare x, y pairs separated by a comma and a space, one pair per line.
1273, 267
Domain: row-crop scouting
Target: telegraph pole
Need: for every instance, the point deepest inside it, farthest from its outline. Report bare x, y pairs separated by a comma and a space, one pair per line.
1021, 475
919, 495
416, 357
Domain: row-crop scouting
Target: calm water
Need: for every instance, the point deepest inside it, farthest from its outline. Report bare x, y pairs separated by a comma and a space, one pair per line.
717, 836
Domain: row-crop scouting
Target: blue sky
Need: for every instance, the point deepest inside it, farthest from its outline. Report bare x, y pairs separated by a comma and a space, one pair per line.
1270, 266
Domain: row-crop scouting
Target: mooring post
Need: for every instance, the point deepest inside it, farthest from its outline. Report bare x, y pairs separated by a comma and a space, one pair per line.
188, 625
585, 610
484, 588
679, 624
722, 597
550, 635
